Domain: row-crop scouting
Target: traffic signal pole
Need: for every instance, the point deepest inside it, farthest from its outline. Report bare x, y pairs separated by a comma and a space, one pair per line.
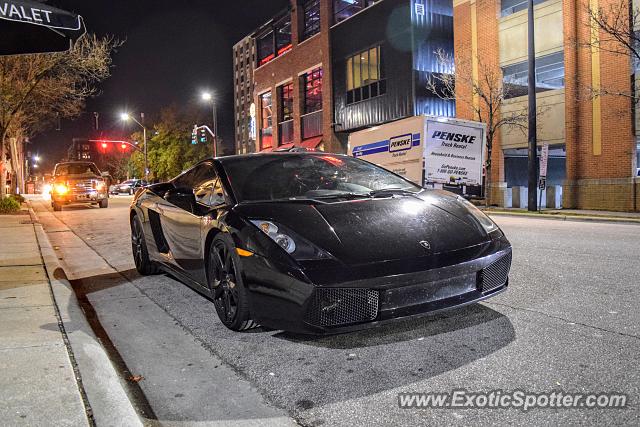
533, 148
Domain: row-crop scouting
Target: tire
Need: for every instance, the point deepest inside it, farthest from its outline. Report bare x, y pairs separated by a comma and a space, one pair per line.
104, 203
56, 207
139, 250
225, 281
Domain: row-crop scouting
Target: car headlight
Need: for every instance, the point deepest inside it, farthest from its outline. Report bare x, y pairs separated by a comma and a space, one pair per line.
100, 186
295, 245
61, 189
483, 219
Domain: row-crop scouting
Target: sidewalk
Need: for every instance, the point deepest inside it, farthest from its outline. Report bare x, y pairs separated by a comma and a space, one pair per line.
568, 214
37, 379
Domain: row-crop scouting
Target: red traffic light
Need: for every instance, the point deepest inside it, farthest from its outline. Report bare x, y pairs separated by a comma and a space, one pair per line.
104, 145
123, 146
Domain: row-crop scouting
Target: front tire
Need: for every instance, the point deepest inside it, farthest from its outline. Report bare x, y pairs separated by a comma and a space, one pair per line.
104, 203
141, 259
57, 207
225, 280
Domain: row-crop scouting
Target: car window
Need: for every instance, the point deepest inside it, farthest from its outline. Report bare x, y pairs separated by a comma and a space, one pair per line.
195, 176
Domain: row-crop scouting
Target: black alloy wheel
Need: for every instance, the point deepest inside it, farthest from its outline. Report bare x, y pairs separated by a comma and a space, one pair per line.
225, 281
139, 249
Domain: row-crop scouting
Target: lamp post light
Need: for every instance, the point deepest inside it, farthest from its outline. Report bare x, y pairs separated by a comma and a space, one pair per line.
126, 117
208, 97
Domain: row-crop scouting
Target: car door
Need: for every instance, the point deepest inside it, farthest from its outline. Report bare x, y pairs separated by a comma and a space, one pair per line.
182, 224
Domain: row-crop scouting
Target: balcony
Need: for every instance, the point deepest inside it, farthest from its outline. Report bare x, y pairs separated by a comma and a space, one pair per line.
312, 124
285, 132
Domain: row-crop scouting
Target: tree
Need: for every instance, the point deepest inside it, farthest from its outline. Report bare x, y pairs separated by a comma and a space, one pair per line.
484, 96
35, 89
615, 29
169, 149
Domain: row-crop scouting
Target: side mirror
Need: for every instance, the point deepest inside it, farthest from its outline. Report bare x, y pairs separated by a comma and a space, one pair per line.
182, 198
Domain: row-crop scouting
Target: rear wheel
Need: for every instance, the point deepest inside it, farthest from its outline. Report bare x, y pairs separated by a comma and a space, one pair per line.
56, 207
104, 203
229, 294
139, 248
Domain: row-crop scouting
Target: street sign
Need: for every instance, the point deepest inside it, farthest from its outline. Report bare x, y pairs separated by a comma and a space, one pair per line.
544, 160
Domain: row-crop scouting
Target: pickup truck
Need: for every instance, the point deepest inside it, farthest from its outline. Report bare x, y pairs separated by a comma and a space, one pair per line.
78, 182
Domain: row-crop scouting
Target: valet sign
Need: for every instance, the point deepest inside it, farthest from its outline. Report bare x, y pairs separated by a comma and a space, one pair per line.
453, 153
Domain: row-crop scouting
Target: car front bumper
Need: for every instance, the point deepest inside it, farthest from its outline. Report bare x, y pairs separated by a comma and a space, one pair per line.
371, 295
87, 197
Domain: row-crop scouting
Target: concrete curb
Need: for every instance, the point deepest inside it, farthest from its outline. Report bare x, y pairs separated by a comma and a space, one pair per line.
101, 384
561, 217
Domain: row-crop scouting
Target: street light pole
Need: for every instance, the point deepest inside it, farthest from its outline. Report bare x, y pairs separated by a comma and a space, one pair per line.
208, 97
126, 116
533, 149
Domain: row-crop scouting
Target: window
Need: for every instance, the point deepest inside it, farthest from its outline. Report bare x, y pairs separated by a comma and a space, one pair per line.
275, 41
265, 48
266, 132
549, 75
364, 75
196, 177
312, 83
286, 102
343, 9
508, 7
283, 35
311, 14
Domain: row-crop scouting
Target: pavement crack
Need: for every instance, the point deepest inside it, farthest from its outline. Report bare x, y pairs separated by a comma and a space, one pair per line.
551, 316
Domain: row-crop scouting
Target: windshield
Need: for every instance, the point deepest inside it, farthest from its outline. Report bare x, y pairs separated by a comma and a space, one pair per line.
76, 169
313, 176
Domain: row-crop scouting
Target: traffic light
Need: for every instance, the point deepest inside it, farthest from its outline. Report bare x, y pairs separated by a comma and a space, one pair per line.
202, 135
104, 145
123, 146
194, 135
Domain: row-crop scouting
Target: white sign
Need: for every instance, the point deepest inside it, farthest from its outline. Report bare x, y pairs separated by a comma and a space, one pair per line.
544, 160
453, 153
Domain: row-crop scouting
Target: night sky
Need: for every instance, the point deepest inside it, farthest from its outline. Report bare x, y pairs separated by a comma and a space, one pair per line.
173, 51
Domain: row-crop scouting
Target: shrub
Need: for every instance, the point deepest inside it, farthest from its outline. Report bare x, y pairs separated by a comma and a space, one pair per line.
9, 205
17, 197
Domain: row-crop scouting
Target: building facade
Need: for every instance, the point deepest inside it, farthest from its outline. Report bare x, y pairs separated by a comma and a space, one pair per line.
244, 61
592, 140
326, 68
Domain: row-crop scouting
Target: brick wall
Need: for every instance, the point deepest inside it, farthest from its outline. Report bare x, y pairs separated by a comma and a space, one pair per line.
303, 56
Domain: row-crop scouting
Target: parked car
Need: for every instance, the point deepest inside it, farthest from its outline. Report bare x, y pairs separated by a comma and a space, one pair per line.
316, 243
129, 186
78, 182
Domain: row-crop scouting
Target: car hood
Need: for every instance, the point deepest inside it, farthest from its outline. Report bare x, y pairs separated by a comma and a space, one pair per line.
380, 229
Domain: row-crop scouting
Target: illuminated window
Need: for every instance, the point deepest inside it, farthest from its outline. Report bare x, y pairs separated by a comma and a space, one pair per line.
344, 9
266, 133
286, 102
364, 75
312, 82
311, 10
275, 41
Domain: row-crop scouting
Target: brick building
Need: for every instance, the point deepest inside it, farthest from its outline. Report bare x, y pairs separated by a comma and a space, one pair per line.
594, 151
292, 80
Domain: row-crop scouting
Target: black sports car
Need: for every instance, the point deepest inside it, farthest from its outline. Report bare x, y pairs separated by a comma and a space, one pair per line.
315, 242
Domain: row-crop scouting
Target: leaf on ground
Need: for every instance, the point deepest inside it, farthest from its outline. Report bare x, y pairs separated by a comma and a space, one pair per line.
135, 378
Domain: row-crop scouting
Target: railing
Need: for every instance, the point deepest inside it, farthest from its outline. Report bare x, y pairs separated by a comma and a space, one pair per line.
312, 124
285, 132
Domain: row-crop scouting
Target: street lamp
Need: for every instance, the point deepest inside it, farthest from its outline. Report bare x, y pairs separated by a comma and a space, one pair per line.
208, 97
126, 117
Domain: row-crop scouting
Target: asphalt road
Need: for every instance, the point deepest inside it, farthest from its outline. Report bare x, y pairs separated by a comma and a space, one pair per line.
569, 321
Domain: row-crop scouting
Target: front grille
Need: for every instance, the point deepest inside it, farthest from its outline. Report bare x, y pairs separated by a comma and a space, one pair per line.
342, 306
81, 187
495, 275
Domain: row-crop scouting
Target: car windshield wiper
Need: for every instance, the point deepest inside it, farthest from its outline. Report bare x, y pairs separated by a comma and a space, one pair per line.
345, 195
392, 192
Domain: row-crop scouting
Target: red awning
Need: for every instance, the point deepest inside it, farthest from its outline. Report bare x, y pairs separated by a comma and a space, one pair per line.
311, 142
266, 150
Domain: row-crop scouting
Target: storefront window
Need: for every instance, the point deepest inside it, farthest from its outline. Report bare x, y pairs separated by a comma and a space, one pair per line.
266, 133
286, 102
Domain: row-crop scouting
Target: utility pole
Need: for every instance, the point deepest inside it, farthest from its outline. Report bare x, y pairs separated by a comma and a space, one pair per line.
533, 149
